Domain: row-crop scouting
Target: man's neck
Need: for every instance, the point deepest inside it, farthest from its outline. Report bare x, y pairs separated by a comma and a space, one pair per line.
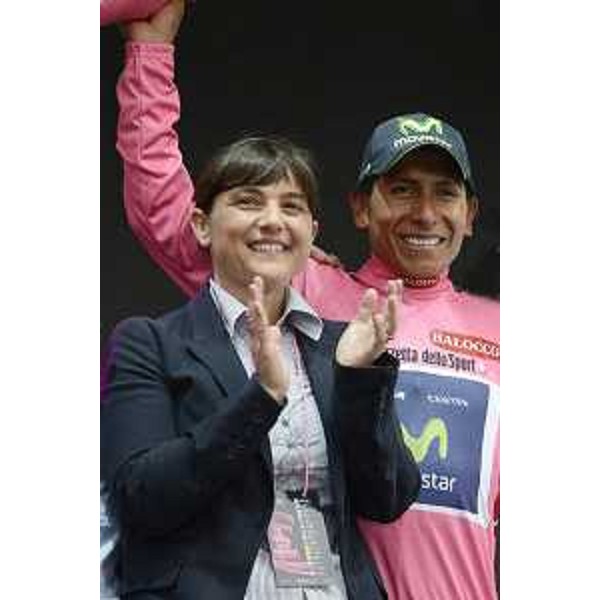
421, 281
375, 273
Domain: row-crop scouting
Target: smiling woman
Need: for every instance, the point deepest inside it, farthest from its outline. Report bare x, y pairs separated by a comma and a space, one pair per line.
264, 230
243, 411
255, 212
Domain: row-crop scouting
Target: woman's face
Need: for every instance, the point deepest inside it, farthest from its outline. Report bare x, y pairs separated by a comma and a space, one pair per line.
264, 230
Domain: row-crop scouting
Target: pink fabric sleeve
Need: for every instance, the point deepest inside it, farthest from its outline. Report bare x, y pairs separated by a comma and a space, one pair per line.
158, 191
116, 11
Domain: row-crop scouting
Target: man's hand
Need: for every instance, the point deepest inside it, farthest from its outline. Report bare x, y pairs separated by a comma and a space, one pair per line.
265, 345
161, 27
366, 337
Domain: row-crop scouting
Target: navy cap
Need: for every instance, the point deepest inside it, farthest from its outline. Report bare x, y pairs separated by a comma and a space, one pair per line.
393, 139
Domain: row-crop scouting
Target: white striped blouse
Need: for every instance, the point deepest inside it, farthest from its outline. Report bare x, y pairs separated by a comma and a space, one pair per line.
298, 428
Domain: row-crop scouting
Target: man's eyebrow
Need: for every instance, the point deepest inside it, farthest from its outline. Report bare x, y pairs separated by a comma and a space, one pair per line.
401, 179
449, 180
442, 180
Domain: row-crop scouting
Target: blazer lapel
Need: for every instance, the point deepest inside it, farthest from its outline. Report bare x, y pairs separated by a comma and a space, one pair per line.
209, 343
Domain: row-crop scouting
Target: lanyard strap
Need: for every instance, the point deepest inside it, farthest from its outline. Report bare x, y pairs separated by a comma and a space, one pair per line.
302, 382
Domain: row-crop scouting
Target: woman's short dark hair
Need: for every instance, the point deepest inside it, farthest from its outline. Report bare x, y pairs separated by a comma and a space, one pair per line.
258, 160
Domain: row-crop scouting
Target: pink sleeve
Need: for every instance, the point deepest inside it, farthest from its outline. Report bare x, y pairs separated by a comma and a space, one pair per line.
158, 191
113, 11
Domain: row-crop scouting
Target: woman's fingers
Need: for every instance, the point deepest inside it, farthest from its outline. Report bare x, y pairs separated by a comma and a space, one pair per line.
381, 331
367, 306
256, 308
392, 304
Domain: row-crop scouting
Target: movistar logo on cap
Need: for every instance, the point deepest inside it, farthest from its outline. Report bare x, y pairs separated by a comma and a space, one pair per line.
425, 125
421, 139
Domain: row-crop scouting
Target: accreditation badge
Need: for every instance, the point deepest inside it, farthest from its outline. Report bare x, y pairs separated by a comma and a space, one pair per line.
298, 543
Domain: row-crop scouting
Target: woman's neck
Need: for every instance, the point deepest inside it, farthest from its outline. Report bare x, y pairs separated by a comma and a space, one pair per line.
274, 297
274, 303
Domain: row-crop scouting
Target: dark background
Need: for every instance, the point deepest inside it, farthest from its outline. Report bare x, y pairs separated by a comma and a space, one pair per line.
323, 76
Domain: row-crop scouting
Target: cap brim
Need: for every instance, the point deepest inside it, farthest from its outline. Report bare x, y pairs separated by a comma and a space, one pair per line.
403, 152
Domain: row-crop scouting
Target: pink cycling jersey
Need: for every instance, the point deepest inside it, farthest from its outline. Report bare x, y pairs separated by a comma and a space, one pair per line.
447, 393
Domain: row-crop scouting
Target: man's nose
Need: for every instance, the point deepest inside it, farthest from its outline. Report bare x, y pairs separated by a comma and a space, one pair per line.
425, 210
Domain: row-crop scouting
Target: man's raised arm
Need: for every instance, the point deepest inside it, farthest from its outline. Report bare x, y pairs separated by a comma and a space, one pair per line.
158, 190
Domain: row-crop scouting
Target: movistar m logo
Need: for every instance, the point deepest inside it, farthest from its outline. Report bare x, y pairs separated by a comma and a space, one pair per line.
435, 429
406, 125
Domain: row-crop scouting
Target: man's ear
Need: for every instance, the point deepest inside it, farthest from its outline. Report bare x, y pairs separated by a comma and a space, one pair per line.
201, 227
359, 205
472, 212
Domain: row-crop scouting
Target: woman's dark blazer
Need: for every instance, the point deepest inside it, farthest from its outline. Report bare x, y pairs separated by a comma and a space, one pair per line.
185, 451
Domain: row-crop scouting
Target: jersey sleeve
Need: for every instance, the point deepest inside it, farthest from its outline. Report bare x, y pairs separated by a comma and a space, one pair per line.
158, 190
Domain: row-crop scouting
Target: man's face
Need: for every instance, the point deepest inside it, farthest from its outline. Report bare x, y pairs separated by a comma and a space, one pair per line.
417, 214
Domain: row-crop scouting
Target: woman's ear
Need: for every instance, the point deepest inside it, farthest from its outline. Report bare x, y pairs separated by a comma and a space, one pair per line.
201, 226
315, 230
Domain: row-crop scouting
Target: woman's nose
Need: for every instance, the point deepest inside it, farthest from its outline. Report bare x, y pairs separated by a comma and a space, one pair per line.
271, 217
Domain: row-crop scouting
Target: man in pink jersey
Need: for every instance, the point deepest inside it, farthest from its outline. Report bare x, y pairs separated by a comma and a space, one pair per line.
415, 200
